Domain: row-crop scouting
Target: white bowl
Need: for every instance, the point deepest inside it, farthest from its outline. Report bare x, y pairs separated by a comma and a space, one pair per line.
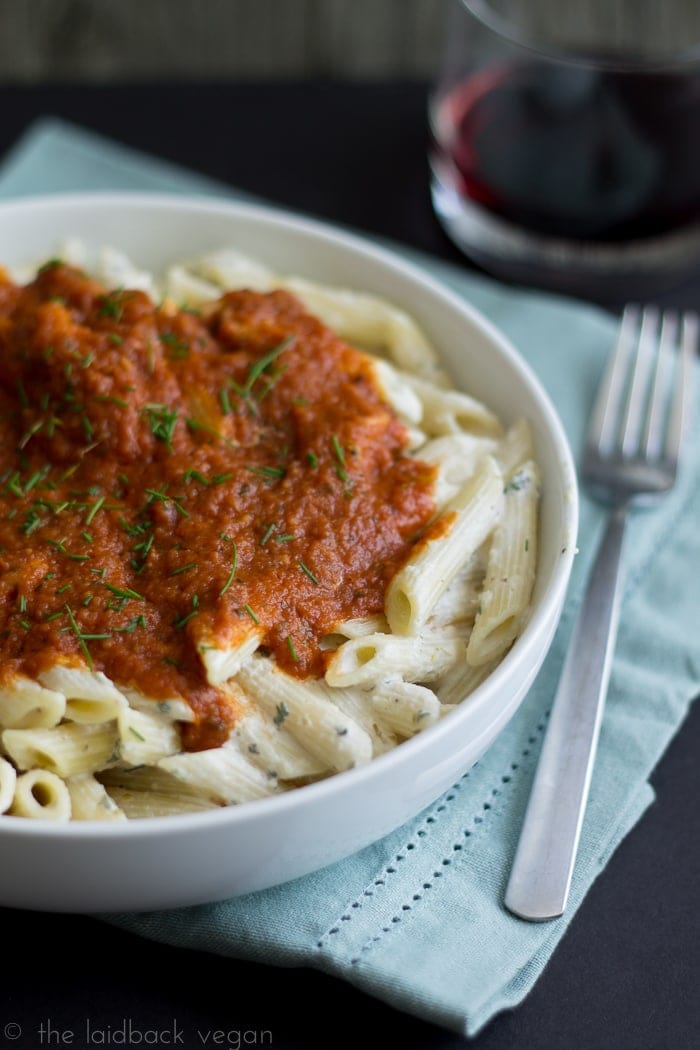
165, 862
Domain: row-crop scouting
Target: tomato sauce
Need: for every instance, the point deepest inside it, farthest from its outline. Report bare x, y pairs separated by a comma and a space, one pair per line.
171, 479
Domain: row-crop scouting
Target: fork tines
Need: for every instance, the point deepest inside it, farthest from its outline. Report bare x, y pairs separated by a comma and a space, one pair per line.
643, 401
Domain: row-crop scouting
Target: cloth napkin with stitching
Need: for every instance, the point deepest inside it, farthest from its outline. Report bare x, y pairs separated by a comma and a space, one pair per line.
417, 919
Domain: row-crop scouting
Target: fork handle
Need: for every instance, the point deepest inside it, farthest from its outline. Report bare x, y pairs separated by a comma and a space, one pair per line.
540, 879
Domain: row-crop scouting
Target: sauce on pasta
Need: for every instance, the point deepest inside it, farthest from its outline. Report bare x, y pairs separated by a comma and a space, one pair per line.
171, 479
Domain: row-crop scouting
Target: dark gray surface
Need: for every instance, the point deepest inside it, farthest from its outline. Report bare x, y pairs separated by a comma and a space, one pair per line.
627, 973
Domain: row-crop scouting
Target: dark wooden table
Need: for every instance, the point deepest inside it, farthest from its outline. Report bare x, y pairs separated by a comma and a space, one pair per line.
627, 974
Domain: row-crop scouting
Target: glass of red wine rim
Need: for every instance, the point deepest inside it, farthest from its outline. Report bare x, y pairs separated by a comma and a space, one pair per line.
652, 55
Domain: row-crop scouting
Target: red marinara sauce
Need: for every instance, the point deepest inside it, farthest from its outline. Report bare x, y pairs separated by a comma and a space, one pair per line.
170, 477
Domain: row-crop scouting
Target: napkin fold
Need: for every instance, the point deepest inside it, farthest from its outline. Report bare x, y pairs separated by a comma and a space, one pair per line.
417, 919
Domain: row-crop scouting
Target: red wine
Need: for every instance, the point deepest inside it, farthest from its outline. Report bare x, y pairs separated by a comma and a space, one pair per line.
585, 154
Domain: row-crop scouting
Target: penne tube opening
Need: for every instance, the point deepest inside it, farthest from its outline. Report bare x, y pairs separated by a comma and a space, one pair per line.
41, 795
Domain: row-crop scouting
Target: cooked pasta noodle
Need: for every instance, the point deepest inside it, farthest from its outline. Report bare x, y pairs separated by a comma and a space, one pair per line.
290, 705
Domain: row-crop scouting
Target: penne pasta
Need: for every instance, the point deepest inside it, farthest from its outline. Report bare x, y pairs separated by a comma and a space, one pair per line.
224, 775
221, 663
371, 323
381, 657
8, 780
146, 737
288, 556
452, 412
64, 750
41, 795
515, 448
460, 681
226, 269
305, 710
405, 707
89, 799
457, 457
90, 695
397, 391
26, 704
510, 574
136, 804
470, 516
274, 750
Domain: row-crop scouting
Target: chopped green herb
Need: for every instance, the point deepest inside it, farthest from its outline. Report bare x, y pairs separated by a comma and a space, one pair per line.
180, 349
338, 450
29, 434
172, 662
264, 362
97, 505
124, 592
160, 496
38, 476
109, 399
130, 627
267, 472
232, 573
162, 421
87, 426
281, 712
196, 424
31, 522
78, 634
225, 402
111, 307
180, 623
266, 535
339, 453
517, 482
22, 393
50, 265
195, 474
307, 570
184, 568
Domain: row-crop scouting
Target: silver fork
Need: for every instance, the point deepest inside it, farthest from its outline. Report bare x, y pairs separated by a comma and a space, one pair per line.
631, 458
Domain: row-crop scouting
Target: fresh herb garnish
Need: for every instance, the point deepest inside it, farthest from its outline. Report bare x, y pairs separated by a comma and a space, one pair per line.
267, 534
184, 568
281, 712
180, 623
162, 420
124, 592
307, 570
292, 650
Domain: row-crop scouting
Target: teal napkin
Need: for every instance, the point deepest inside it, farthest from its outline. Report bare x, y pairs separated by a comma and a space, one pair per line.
417, 919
